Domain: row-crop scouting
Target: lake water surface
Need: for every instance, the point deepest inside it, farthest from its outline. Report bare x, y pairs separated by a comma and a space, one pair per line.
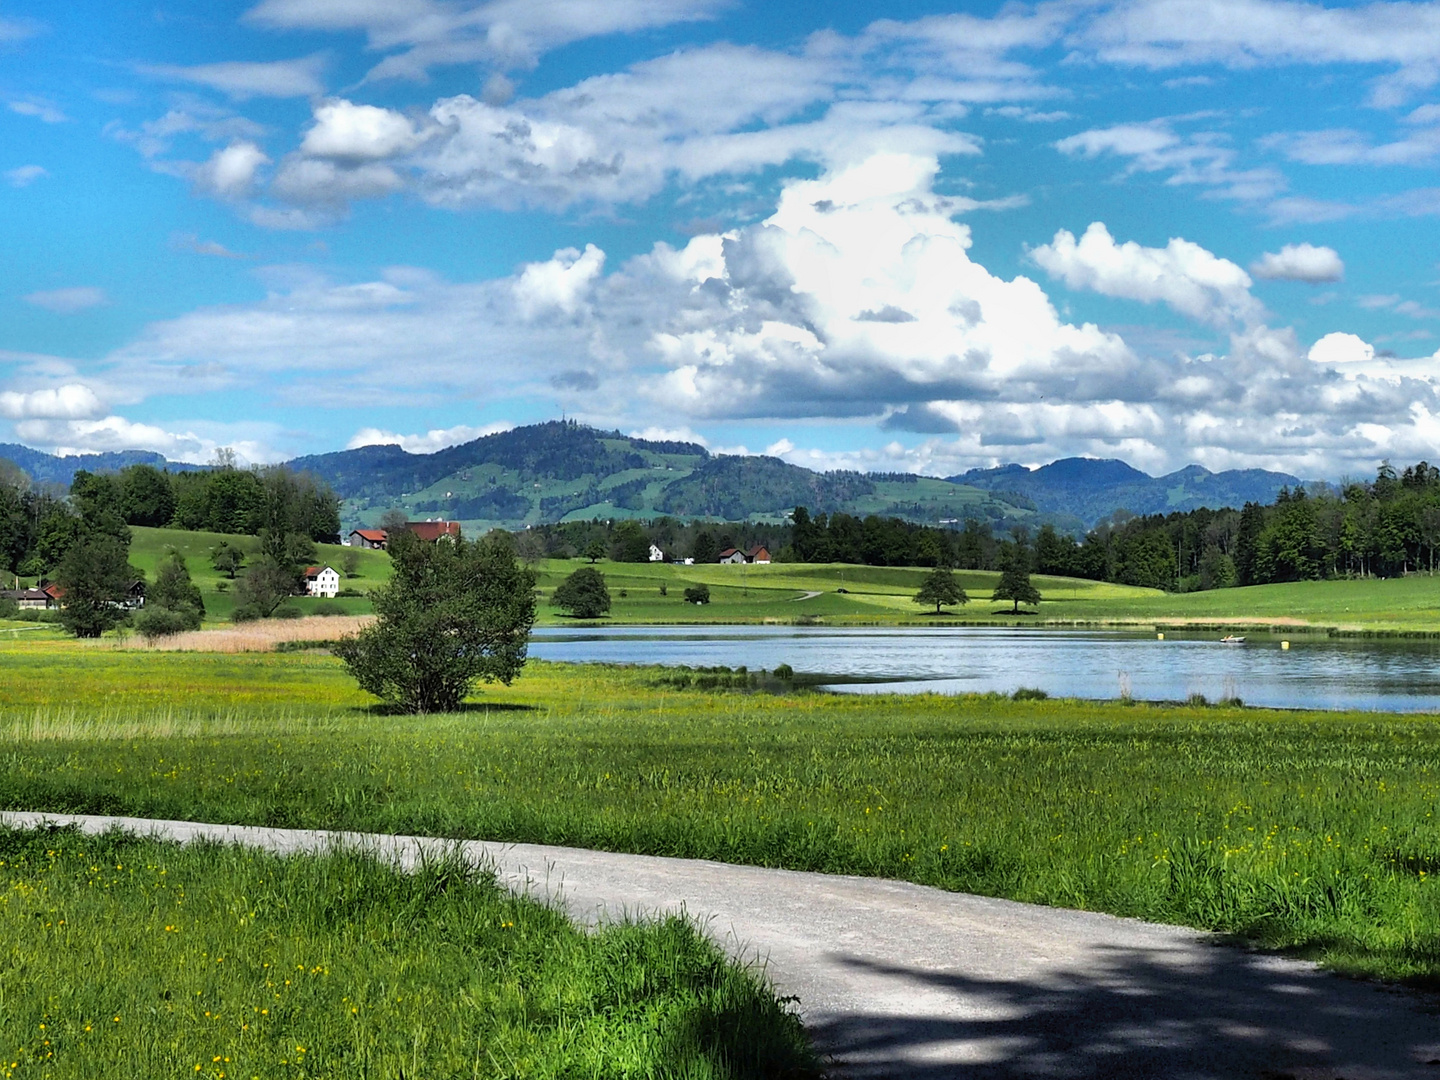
1321, 673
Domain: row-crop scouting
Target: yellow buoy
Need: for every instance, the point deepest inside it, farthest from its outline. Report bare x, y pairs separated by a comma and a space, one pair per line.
1285, 645
1159, 637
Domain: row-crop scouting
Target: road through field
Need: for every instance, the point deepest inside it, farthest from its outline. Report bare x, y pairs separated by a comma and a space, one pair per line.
906, 982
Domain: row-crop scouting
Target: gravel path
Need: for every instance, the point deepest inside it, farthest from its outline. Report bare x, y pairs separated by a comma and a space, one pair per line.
910, 983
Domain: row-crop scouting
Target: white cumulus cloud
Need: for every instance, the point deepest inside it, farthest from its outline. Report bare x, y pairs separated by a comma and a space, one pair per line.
69, 402
1300, 262
428, 442
230, 173
560, 283
1182, 274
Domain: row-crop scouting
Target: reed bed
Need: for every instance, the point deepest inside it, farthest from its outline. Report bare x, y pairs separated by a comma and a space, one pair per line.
262, 635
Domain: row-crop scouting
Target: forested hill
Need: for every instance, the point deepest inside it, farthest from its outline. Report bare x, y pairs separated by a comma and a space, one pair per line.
562, 470
49, 469
1091, 489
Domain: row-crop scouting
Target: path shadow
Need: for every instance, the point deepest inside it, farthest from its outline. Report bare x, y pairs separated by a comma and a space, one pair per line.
1137, 1013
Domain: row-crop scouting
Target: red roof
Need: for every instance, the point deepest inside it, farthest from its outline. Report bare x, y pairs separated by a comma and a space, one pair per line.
755, 553
434, 530
375, 536
55, 592
728, 552
314, 571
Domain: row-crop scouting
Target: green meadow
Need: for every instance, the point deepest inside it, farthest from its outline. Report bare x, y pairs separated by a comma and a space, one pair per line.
1313, 833
128, 957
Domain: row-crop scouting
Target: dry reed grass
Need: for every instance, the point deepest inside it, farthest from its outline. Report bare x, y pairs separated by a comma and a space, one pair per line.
121, 723
260, 636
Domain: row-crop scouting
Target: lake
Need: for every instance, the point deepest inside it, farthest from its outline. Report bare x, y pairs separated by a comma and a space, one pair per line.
1314, 673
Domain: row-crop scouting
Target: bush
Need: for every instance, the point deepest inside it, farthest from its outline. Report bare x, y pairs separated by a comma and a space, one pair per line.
1029, 693
583, 594
247, 613
154, 621
287, 613
784, 671
9, 609
697, 594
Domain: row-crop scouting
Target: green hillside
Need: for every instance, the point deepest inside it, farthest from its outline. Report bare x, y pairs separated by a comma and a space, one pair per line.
563, 471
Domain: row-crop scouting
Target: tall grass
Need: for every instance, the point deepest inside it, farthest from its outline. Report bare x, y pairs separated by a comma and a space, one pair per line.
263, 635
134, 958
1315, 832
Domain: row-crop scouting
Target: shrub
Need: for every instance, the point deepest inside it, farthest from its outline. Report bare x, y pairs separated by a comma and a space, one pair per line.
287, 613
153, 622
697, 594
583, 594
1029, 693
784, 671
9, 609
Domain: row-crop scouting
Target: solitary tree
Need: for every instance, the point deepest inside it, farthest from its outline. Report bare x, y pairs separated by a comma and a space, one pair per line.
1015, 576
940, 587
95, 576
583, 594
451, 614
226, 559
263, 588
594, 551
697, 594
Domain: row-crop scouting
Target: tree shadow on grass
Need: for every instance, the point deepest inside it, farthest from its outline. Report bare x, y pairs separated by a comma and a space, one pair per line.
1134, 1013
381, 708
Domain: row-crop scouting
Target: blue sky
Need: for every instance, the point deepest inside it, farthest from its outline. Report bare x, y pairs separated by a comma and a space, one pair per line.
914, 236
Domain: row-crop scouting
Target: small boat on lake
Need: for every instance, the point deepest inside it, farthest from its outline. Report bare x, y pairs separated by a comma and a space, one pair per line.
1233, 639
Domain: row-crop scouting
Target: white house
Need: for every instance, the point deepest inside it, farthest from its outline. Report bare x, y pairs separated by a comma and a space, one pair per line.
732, 555
656, 555
322, 581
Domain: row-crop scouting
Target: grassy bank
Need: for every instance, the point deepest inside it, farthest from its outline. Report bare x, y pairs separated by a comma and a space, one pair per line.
1315, 832
135, 958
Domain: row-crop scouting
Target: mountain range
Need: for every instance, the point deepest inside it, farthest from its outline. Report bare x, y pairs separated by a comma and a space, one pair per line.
562, 470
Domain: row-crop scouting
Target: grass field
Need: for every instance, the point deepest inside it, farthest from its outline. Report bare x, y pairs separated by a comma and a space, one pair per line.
1312, 832
788, 592
126, 957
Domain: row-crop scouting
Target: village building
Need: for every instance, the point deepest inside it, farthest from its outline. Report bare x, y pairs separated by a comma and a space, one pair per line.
367, 538
431, 531
732, 555
656, 555
36, 599
758, 555
322, 581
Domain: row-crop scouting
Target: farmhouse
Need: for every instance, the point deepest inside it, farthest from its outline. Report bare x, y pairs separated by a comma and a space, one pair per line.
432, 531
751, 555
732, 555
367, 538
322, 581
656, 555
28, 598
758, 555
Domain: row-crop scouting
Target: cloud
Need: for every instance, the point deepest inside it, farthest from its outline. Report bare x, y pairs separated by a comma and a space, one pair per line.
111, 433
778, 321
12, 30
1203, 158
1160, 34
40, 109
192, 243
69, 402
421, 34
242, 80
353, 132
1341, 348
1346, 146
230, 173
1182, 275
428, 443
26, 175
1300, 262
68, 301
559, 284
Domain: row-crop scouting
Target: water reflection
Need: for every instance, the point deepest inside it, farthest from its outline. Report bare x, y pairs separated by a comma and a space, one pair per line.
1389, 675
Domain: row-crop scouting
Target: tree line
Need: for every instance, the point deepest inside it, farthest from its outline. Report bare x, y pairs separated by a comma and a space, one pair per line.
1387, 527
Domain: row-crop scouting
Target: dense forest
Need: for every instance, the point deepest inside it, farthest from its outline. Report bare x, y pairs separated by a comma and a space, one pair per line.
38, 525
1385, 528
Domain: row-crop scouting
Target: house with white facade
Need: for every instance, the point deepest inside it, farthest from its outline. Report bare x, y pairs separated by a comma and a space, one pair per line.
656, 555
322, 581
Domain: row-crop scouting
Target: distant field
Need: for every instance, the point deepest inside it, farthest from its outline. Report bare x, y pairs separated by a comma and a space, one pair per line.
1310, 832
852, 595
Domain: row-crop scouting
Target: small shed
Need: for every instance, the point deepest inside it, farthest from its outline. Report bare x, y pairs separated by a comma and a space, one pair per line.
367, 538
